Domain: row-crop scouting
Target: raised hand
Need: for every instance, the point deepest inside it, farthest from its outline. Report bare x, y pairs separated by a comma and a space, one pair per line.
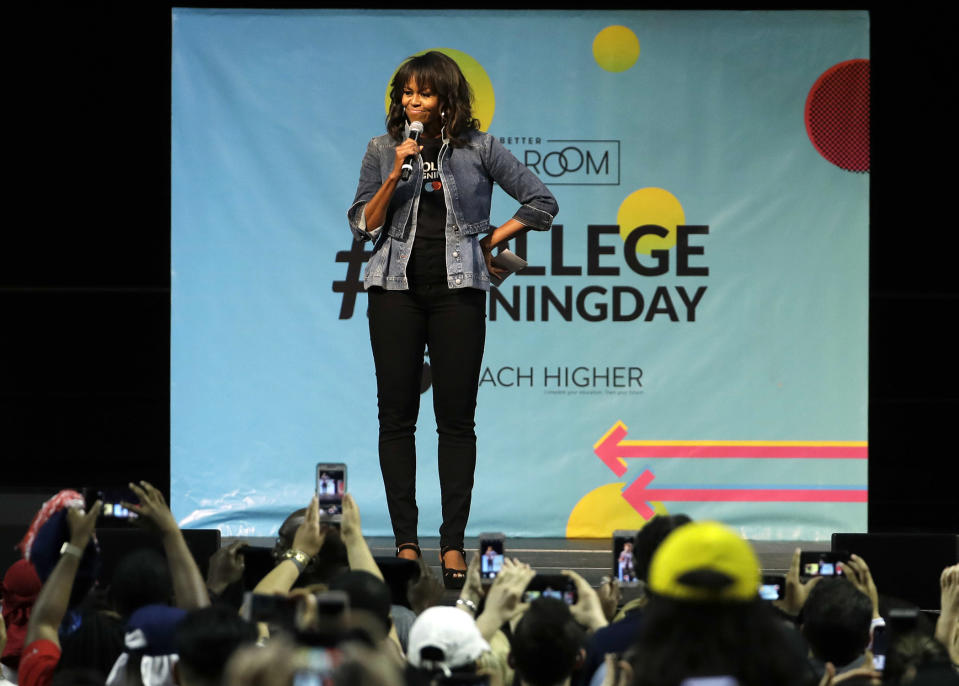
82, 524
857, 571
796, 590
506, 593
226, 566
947, 626
610, 593
309, 536
588, 609
152, 509
350, 524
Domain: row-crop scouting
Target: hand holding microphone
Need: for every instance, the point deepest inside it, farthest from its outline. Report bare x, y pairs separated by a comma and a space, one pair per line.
416, 128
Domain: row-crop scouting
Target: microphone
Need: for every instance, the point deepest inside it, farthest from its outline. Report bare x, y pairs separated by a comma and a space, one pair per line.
416, 128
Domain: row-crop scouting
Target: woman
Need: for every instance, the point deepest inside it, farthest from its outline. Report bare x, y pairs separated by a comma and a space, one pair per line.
427, 280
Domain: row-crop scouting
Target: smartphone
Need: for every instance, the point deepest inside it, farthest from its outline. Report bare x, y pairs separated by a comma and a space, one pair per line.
821, 563
902, 620
272, 609
772, 587
551, 586
624, 569
880, 642
331, 606
330, 487
321, 662
492, 554
112, 510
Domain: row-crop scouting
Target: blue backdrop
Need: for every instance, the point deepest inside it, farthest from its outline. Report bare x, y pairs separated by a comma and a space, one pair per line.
723, 366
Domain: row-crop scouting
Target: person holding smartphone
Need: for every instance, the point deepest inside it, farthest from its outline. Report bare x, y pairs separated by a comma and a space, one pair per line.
427, 279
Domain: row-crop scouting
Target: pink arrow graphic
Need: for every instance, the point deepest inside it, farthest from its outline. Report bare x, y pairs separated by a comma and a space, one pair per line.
638, 495
613, 450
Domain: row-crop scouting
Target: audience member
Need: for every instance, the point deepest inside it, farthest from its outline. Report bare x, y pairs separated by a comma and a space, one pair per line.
323, 566
705, 619
149, 655
914, 655
621, 632
90, 642
835, 622
204, 642
548, 644
20, 588
443, 642
947, 626
698, 616
141, 578
3, 646
366, 593
42, 644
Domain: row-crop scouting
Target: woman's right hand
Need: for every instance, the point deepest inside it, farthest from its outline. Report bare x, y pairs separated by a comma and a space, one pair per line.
408, 148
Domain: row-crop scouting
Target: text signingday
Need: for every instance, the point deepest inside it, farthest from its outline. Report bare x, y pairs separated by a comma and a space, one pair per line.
617, 301
612, 283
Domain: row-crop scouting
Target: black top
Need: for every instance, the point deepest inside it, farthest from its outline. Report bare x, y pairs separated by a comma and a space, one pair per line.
428, 259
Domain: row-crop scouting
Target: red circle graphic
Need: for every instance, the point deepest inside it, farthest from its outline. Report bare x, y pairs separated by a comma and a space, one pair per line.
837, 115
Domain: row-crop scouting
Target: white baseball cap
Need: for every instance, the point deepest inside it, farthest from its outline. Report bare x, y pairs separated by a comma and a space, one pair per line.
449, 629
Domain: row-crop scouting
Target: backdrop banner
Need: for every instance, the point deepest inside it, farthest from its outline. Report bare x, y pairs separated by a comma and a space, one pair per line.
690, 337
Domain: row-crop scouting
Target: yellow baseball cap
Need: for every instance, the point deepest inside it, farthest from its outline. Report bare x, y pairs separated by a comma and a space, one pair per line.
705, 562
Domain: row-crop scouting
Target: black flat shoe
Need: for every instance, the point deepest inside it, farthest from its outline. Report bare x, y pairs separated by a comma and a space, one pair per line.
452, 578
409, 546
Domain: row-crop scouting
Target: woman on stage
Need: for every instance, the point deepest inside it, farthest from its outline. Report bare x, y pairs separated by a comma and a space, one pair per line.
427, 280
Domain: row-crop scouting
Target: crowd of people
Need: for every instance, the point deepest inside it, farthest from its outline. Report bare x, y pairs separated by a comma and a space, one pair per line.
330, 613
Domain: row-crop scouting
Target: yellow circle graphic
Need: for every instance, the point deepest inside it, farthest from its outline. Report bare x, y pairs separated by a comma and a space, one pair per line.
484, 99
616, 48
603, 510
650, 206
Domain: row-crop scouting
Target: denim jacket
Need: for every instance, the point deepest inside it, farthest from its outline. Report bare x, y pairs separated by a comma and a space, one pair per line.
467, 174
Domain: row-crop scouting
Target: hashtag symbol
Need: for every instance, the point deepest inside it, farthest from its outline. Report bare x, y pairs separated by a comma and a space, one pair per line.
351, 285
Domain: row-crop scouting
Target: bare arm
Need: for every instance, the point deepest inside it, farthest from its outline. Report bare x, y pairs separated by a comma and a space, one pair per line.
359, 555
308, 539
189, 587
857, 572
375, 210
796, 590
947, 626
357, 551
54, 597
504, 601
588, 609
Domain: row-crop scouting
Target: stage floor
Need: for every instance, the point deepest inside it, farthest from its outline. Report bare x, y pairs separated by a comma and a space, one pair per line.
592, 558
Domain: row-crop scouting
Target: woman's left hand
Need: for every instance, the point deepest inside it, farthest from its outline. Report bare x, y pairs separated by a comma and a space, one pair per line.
488, 256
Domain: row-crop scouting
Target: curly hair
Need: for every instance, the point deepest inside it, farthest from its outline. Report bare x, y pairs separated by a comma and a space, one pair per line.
441, 74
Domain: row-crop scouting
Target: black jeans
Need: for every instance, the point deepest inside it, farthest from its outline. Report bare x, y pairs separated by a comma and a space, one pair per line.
451, 323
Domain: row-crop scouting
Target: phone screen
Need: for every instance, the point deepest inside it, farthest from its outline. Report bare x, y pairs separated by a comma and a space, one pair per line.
112, 509
330, 487
821, 563
491, 557
321, 664
880, 641
551, 586
624, 568
772, 587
